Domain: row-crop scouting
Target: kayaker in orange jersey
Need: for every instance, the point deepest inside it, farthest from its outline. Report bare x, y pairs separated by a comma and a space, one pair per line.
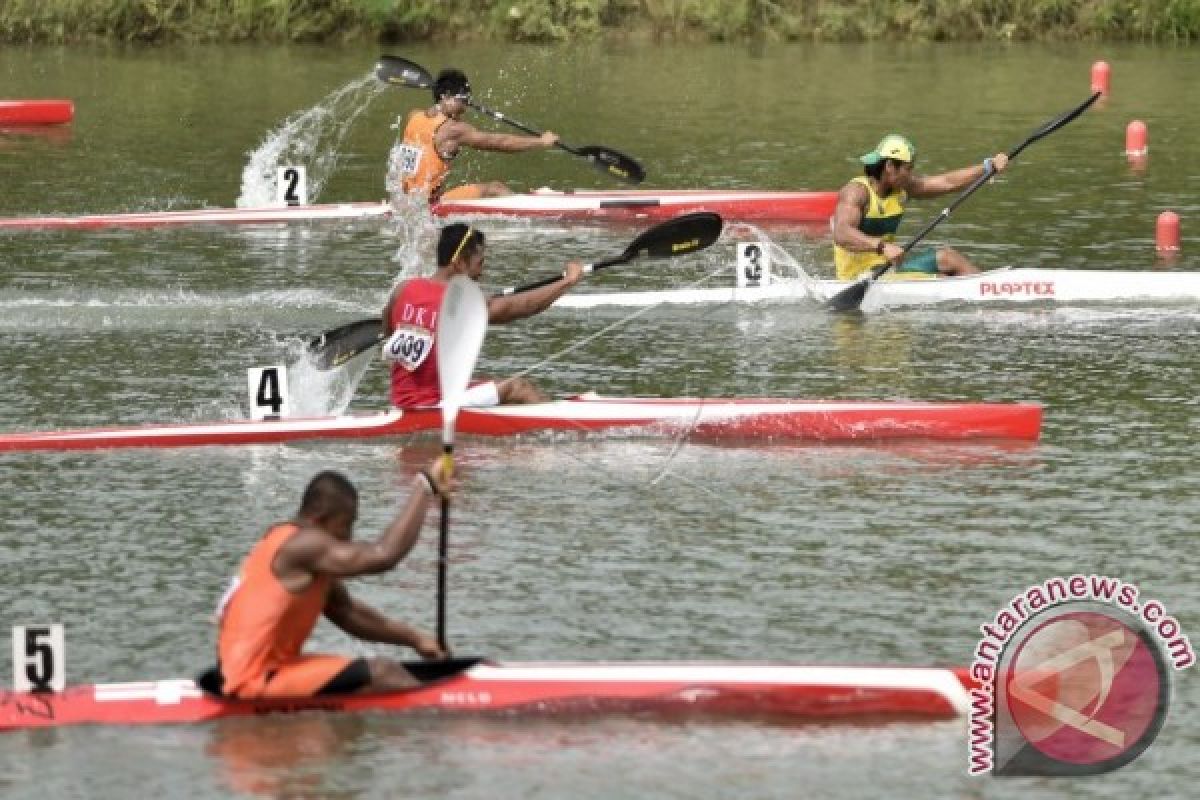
411, 315
870, 207
295, 573
433, 137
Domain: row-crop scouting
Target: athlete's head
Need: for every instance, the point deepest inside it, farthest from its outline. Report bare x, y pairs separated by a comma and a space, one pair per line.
451, 83
892, 149
332, 500
458, 241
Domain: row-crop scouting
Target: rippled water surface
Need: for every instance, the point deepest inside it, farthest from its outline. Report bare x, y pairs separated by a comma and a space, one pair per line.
600, 549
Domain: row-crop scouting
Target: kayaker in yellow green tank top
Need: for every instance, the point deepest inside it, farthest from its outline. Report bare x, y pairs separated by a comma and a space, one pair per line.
870, 208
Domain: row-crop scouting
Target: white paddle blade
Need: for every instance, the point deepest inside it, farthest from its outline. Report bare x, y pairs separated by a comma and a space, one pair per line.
462, 323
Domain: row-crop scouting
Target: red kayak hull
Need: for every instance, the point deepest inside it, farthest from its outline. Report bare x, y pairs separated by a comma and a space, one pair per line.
635, 205
791, 691
202, 216
36, 112
696, 418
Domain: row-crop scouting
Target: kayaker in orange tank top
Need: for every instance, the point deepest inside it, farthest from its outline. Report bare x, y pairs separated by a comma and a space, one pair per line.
870, 207
433, 137
294, 574
410, 324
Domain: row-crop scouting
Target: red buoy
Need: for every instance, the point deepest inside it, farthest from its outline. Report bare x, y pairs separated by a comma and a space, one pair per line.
1100, 72
36, 112
1166, 232
1136, 139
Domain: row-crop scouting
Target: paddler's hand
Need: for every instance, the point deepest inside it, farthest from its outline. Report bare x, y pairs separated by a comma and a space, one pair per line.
549, 139
429, 649
573, 274
439, 474
999, 162
893, 252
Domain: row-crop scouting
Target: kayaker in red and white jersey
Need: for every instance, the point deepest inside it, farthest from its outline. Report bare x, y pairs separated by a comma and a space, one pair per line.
410, 324
870, 208
433, 137
295, 573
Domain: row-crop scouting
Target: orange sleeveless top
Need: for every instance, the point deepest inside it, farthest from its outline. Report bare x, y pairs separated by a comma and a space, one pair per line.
263, 625
428, 173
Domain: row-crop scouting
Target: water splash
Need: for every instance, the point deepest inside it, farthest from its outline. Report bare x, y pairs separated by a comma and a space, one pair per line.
784, 267
311, 138
317, 392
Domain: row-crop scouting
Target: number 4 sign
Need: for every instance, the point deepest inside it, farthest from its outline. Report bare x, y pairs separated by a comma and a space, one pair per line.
39, 658
268, 388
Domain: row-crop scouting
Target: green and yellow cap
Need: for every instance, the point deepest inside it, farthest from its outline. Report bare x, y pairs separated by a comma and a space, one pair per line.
892, 146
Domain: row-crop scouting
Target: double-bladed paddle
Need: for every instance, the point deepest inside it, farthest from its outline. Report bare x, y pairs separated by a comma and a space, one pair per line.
402, 72
851, 298
675, 237
463, 321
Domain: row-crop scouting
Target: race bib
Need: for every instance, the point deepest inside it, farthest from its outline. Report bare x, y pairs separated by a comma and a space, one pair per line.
406, 159
223, 603
408, 346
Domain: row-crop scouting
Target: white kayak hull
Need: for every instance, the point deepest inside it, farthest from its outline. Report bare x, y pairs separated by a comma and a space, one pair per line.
999, 287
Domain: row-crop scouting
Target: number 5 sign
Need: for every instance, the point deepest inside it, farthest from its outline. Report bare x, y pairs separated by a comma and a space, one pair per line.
39, 658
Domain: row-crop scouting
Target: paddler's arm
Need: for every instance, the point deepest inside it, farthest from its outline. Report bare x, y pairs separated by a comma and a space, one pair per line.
852, 199
314, 552
364, 622
931, 185
461, 134
387, 311
509, 307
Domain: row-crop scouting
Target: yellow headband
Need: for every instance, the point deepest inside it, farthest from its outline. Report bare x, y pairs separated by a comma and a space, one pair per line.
462, 244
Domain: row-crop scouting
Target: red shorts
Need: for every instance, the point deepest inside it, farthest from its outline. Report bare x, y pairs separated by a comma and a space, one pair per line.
304, 677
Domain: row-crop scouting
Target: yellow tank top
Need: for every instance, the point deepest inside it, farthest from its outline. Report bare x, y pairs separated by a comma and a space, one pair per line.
421, 166
880, 218
263, 625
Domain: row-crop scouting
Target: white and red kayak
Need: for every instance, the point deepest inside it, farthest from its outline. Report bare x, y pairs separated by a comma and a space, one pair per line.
620, 206
697, 418
202, 216
792, 691
36, 112
1005, 287
738, 205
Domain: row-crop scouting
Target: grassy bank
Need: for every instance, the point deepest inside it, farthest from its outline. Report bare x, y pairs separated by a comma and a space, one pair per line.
60, 21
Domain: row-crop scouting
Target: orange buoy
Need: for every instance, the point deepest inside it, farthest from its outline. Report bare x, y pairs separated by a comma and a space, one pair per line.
1136, 138
1166, 232
1100, 73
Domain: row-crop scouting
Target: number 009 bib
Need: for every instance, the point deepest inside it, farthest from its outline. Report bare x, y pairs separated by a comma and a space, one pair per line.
408, 346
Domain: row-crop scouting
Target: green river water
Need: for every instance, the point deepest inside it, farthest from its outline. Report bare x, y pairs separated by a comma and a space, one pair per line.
604, 549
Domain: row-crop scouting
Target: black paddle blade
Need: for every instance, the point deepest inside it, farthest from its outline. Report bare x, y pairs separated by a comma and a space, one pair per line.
850, 298
402, 72
613, 162
429, 671
334, 348
1054, 124
675, 237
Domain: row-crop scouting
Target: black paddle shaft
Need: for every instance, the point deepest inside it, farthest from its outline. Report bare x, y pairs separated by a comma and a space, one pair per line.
605, 158
684, 234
